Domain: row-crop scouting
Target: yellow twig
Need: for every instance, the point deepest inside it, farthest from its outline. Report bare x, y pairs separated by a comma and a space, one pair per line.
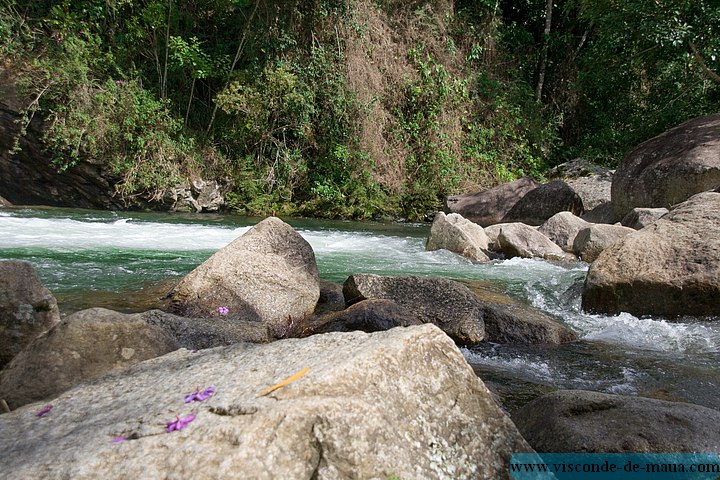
285, 382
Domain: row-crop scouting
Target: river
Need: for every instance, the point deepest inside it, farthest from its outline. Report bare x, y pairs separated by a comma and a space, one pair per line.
96, 258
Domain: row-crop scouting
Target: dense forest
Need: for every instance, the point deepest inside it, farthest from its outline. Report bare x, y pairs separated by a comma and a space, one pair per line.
354, 108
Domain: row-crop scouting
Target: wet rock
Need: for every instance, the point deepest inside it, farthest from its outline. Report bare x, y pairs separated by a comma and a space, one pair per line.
454, 233
490, 206
445, 303
509, 321
639, 218
562, 228
4, 203
538, 205
583, 421
267, 275
398, 403
669, 268
590, 242
670, 168
367, 316
27, 308
197, 196
520, 240
331, 298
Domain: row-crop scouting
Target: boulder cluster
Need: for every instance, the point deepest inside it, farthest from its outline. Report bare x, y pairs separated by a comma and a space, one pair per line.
650, 229
256, 368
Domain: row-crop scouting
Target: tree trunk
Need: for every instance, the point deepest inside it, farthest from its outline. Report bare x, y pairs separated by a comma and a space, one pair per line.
545, 47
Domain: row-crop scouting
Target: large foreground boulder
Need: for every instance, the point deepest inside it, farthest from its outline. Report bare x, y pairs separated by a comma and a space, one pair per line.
440, 301
671, 267
593, 422
490, 206
669, 168
543, 202
402, 403
457, 234
267, 275
27, 308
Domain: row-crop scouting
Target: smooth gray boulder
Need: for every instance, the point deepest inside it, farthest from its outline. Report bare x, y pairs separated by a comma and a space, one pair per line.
490, 206
590, 242
562, 228
27, 308
520, 240
593, 422
670, 168
267, 275
669, 268
543, 202
402, 403
457, 234
639, 218
440, 301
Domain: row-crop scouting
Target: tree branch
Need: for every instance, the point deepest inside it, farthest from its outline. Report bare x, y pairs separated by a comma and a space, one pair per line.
703, 66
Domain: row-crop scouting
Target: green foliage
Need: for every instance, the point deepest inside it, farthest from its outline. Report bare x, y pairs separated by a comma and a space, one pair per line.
640, 74
289, 125
432, 163
122, 125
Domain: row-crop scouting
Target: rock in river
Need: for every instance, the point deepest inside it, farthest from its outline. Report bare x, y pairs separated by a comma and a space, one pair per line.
671, 267
267, 275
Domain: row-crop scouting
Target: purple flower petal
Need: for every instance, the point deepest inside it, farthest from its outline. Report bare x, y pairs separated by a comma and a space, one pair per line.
180, 423
44, 411
118, 439
223, 310
199, 396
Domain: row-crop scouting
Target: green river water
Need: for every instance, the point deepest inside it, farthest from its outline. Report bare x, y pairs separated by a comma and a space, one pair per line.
121, 260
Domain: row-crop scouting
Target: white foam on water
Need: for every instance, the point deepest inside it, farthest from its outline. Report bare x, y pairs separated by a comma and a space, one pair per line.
522, 367
64, 233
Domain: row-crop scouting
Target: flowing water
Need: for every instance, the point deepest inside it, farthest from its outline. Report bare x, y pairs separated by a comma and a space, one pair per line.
92, 258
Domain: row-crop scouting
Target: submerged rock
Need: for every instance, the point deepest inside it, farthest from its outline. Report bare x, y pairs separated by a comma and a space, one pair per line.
399, 403
671, 267
593, 422
27, 308
457, 234
267, 275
